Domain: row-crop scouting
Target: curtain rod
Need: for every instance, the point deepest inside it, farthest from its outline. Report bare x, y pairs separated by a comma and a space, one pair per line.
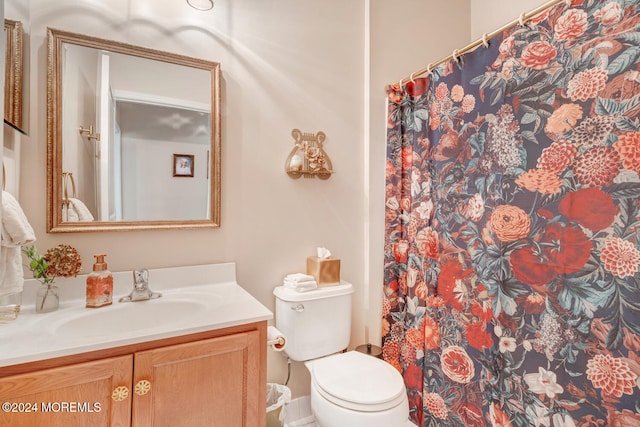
524, 17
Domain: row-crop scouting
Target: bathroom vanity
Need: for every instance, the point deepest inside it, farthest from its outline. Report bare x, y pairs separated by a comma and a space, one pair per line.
196, 356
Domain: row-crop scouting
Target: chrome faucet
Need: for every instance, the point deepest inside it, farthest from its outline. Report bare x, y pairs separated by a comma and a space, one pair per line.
141, 291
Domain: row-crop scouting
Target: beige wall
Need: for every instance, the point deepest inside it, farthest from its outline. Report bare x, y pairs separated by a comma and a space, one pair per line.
488, 15
313, 65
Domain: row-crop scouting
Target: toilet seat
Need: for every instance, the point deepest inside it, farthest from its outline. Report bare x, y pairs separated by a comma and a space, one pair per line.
358, 381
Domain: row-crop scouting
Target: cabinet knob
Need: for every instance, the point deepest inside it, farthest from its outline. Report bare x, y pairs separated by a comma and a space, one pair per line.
143, 387
120, 393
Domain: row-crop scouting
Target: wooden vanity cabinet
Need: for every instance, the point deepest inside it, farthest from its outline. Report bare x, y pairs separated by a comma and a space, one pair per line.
216, 380
213, 383
75, 395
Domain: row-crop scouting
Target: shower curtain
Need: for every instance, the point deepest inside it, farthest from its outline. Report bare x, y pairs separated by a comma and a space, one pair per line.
511, 284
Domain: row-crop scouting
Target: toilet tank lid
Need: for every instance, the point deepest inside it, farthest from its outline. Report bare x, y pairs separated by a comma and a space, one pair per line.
288, 294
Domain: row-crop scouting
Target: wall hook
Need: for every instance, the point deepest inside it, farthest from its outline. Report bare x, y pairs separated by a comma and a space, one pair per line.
89, 132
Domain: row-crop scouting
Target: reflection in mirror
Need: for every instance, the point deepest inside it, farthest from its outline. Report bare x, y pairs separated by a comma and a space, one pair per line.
13, 74
117, 114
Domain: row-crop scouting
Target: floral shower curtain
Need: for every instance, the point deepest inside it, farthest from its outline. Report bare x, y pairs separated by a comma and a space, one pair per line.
512, 251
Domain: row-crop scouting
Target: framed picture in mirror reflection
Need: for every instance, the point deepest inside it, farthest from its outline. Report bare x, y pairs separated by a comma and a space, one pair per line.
183, 165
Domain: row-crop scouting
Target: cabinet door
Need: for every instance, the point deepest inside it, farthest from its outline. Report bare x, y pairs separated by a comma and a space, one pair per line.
76, 395
214, 383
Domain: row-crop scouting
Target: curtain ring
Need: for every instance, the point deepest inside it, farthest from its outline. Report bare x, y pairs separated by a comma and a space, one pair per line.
485, 40
454, 55
400, 84
522, 20
429, 70
568, 3
411, 78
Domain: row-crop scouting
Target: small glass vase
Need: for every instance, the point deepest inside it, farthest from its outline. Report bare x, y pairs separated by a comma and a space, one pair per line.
47, 298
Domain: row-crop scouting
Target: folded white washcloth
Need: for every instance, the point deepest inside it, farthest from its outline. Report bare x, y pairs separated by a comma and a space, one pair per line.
301, 287
15, 232
298, 277
305, 283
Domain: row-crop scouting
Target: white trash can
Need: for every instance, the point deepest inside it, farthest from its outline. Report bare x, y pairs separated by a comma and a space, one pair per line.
278, 396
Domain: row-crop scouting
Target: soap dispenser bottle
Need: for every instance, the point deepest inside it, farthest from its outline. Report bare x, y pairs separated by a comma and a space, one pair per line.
99, 284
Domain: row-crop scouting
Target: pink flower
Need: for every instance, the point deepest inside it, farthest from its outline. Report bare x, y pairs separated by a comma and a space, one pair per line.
571, 25
431, 333
557, 157
613, 376
540, 180
507, 68
510, 223
468, 103
609, 14
563, 118
427, 242
457, 92
474, 209
620, 257
435, 404
401, 251
442, 91
456, 364
587, 84
538, 54
597, 167
506, 47
628, 146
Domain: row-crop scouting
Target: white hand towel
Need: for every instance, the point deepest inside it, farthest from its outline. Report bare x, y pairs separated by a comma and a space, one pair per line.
298, 277
14, 232
81, 209
75, 211
301, 287
304, 283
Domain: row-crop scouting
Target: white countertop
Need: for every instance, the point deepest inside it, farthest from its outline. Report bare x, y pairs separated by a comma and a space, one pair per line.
194, 299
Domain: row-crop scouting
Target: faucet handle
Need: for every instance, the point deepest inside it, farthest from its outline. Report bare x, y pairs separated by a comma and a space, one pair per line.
141, 277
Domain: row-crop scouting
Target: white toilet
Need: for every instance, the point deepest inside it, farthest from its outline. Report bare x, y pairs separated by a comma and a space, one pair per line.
349, 389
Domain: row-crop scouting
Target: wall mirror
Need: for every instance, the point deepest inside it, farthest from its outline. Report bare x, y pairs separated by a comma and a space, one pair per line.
13, 74
118, 117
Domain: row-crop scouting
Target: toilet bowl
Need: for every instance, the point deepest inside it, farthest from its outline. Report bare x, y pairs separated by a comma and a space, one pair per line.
348, 389
356, 390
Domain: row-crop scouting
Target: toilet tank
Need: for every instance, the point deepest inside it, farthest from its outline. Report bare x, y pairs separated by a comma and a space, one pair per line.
315, 323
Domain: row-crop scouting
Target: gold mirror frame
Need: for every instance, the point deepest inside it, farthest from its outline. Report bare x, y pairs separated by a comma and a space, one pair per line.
55, 41
13, 73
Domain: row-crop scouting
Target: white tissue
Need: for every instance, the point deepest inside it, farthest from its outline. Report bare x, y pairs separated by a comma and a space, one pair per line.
323, 253
276, 339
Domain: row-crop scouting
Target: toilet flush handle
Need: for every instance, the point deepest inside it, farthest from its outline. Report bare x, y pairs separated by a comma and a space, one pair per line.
298, 308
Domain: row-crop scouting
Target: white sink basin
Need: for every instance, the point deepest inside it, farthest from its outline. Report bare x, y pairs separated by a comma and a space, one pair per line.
130, 317
195, 299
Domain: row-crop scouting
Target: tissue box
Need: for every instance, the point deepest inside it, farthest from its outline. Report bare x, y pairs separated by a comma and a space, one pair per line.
326, 271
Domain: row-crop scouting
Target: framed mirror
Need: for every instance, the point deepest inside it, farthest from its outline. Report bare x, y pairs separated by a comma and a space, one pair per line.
13, 74
118, 117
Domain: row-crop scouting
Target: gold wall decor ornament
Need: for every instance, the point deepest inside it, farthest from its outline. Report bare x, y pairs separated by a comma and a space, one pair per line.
308, 158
